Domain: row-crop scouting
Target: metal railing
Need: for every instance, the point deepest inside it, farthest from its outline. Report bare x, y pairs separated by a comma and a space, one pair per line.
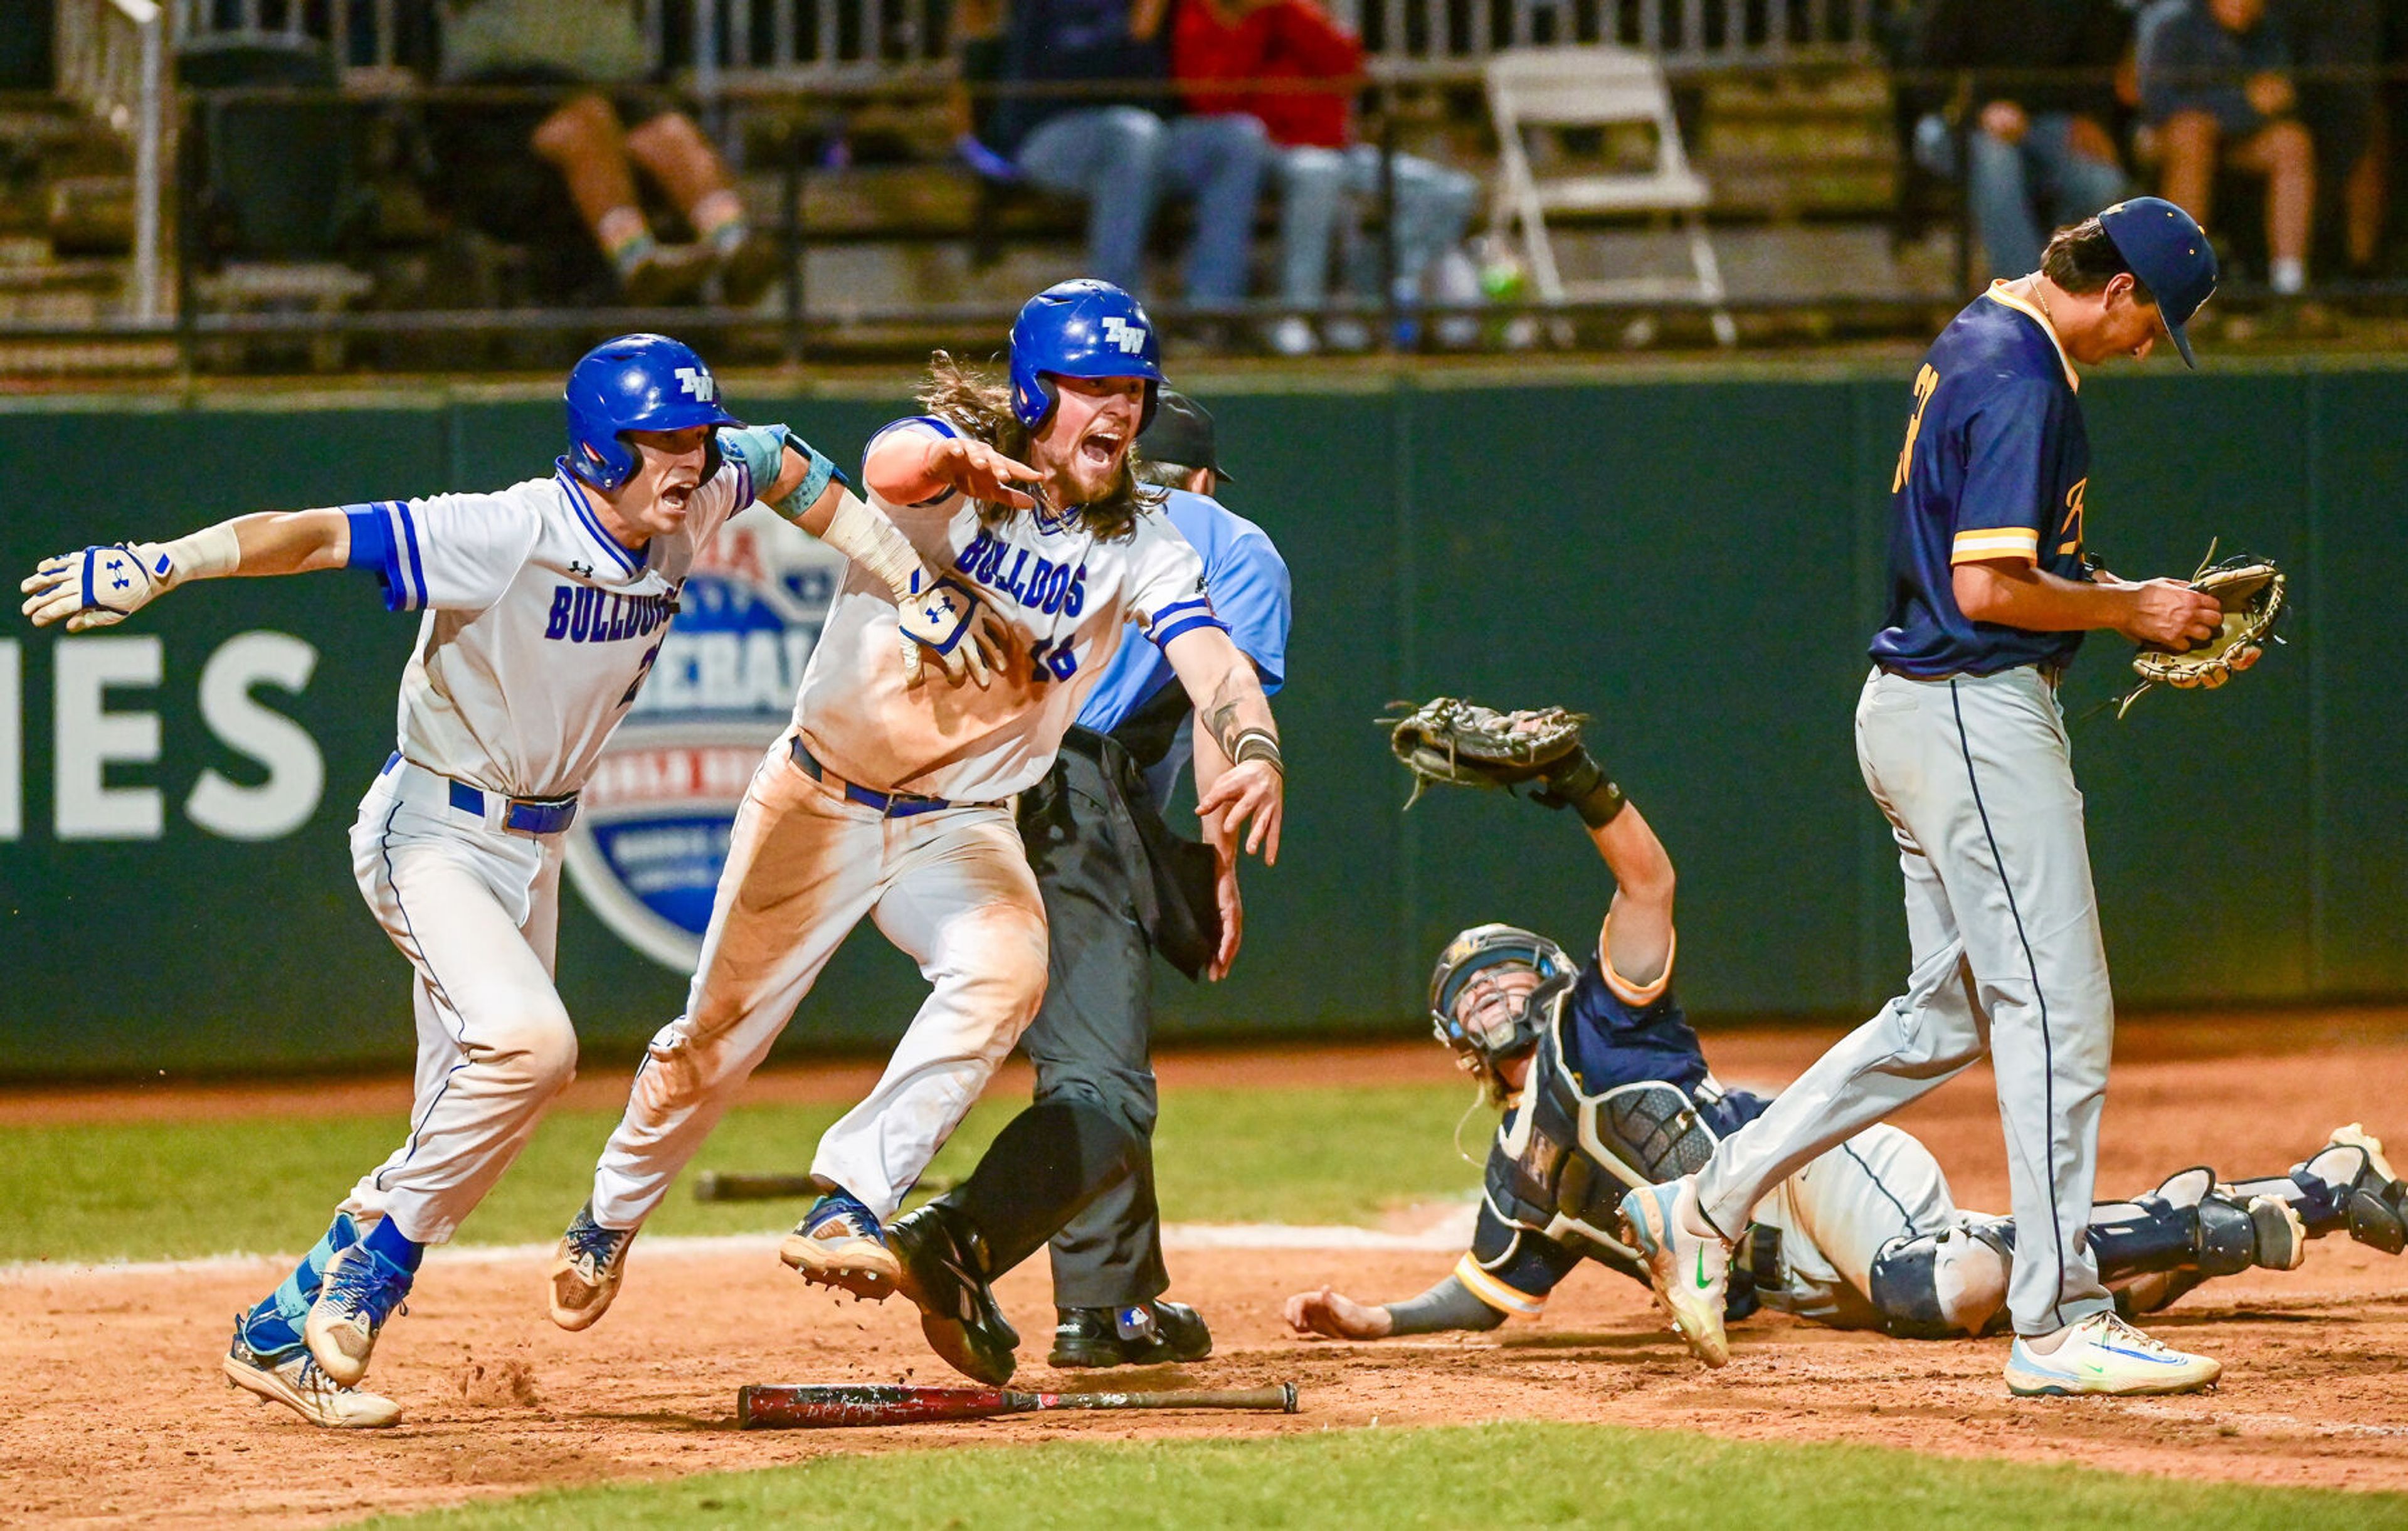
361, 33
111, 59
719, 43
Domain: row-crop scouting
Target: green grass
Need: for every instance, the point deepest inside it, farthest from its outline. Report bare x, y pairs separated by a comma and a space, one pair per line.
148, 1191
1482, 1475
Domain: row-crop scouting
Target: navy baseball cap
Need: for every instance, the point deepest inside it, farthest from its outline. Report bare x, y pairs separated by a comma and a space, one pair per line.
1181, 432
2169, 252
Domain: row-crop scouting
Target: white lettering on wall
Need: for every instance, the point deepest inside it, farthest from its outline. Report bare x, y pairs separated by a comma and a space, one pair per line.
296, 772
88, 738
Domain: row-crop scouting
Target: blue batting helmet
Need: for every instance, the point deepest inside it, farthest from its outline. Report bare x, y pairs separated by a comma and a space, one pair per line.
636, 382
1084, 328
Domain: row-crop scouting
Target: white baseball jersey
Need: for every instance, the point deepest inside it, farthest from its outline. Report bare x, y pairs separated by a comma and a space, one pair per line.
1064, 595
540, 627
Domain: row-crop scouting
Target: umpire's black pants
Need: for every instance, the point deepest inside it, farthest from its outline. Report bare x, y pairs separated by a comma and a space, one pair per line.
1089, 1040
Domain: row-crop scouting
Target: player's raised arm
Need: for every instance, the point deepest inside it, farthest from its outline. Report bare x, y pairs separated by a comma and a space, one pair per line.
804, 485
108, 582
1638, 937
911, 464
1235, 713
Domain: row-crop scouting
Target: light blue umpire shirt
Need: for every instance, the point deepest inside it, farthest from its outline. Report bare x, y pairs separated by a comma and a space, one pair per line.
1247, 582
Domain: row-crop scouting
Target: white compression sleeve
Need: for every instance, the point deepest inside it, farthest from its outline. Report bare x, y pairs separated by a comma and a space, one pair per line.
859, 532
209, 554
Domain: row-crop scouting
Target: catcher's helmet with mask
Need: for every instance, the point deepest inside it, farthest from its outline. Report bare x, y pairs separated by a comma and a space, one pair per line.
1477, 951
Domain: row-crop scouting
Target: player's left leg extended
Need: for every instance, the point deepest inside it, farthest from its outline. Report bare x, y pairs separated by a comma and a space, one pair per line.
959, 899
2193, 1228
475, 911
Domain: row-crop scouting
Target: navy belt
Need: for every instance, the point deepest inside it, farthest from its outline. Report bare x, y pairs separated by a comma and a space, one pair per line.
892, 805
520, 815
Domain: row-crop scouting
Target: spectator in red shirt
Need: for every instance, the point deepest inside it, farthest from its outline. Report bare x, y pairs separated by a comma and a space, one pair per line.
1239, 56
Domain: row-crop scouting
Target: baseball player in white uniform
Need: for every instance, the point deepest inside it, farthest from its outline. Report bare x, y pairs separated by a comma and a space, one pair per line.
897, 806
545, 605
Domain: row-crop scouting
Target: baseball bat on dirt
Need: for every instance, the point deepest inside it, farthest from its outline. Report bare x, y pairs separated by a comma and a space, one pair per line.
729, 1185
820, 1406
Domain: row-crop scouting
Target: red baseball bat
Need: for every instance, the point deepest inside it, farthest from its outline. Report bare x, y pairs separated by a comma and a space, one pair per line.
825, 1406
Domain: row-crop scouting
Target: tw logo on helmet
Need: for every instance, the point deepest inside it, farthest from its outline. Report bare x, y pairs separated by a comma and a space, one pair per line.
1120, 332
697, 382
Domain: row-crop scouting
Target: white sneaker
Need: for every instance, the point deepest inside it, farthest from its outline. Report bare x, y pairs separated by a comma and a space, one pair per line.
301, 1385
2102, 1353
1689, 1273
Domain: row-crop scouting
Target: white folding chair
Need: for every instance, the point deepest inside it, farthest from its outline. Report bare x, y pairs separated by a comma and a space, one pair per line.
1587, 87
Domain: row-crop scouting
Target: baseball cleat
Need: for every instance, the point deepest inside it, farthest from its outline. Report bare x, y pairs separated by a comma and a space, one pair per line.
586, 1271
1145, 1334
2103, 1355
362, 1290
943, 1271
1689, 1273
297, 1382
838, 1243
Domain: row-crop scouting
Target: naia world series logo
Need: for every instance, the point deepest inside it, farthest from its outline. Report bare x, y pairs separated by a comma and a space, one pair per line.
652, 824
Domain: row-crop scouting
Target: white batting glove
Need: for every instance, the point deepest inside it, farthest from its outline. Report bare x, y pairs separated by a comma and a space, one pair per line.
942, 618
98, 586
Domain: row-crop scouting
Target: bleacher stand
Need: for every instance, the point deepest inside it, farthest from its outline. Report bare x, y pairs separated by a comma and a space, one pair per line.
557, 178
2215, 78
1119, 151
2038, 153
1219, 50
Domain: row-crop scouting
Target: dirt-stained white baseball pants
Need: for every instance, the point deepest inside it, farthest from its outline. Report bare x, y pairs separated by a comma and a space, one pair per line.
475, 910
951, 888
1976, 775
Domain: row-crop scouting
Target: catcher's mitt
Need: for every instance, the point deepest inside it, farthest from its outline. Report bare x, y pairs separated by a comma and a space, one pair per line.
1463, 744
2251, 591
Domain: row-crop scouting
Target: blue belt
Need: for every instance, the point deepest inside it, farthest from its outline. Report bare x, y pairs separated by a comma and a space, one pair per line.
892, 805
520, 816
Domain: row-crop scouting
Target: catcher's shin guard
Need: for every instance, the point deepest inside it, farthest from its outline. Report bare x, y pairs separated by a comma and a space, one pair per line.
2189, 1225
2358, 1189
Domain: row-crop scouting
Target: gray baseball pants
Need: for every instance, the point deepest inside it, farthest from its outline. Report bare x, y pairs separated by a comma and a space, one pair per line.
1976, 775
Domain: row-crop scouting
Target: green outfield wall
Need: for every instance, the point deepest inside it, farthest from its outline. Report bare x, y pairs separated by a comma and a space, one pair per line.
1698, 563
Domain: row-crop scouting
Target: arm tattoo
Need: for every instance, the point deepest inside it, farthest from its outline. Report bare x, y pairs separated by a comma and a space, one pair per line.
1221, 721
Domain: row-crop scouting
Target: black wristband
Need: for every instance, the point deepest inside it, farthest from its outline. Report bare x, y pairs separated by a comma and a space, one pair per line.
1257, 744
1578, 783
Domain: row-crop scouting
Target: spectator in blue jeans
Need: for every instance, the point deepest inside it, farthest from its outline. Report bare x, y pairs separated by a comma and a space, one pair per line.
1118, 144
1257, 57
2040, 152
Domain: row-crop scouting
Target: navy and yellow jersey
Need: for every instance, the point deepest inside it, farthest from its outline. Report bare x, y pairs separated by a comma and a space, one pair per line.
1609, 1033
1995, 464
1617, 1032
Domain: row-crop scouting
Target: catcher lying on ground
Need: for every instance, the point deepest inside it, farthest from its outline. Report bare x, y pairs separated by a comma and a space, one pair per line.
1605, 1088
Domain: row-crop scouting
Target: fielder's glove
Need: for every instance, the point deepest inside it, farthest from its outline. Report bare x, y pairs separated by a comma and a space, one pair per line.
1463, 744
2251, 592
99, 585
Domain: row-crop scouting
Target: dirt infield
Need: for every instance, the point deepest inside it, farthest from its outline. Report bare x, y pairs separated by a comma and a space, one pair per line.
117, 1413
